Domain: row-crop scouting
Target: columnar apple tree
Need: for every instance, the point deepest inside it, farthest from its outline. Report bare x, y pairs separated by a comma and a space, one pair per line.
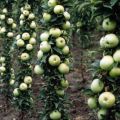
105, 88
53, 59
25, 41
7, 29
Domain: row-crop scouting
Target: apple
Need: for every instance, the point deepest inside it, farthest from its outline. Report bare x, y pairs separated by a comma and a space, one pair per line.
33, 25
63, 68
45, 46
14, 26
2, 30
10, 34
66, 15
18, 37
25, 36
38, 70
60, 42
102, 114
25, 56
67, 61
12, 82
66, 25
34, 34
106, 100
25, 12
58, 9
21, 22
32, 41
55, 32
39, 54
28, 79
116, 56
16, 92
27, 7
55, 115
109, 41
65, 50
109, 25
79, 24
2, 59
29, 47
92, 103
115, 72
20, 43
54, 60
22, 17
2, 17
44, 36
10, 21
46, 17
23, 86
60, 92
52, 3
64, 83
97, 85
107, 62
5, 11
31, 16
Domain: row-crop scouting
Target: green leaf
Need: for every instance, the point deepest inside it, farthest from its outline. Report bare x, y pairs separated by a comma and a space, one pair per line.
113, 2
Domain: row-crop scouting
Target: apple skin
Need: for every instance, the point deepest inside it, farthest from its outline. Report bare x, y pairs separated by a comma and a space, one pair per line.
102, 114
115, 72
92, 103
66, 15
60, 92
32, 41
58, 9
2, 59
23, 87
10, 21
16, 92
2, 69
116, 56
31, 16
28, 79
64, 83
63, 68
25, 56
55, 115
12, 82
107, 62
39, 54
66, 25
20, 43
97, 85
54, 60
109, 25
45, 46
25, 12
29, 47
25, 36
109, 41
52, 3
106, 100
55, 32
47, 17
60, 42
44, 36
38, 70
33, 25
10, 34
65, 50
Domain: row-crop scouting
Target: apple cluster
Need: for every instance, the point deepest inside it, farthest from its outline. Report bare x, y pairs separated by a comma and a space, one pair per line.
53, 56
109, 67
25, 42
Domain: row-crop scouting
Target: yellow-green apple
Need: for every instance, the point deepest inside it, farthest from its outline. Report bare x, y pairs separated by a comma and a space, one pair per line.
40, 54
55, 32
55, 115
66, 15
38, 70
25, 56
33, 25
63, 68
44, 36
102, 114
66, 25
23, 86
52, 3
58, 9
60, 92
45, 46
32, 41
60, 42
65, 50
29, 47
20, 43
46, 17
115, 72
64, 83
116, 56
25, 36
16, 92
92, 102
28, 79
31, 16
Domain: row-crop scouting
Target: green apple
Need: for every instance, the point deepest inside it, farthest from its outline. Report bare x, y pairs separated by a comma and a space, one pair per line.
109, 25
14, 26
44, 36
55, 115
58, 9
23, 87
64, 83
25, 36
115, 72
34, 34
116, 56
92, 103
97, 85
12, 82
5, 11
102, 114
33, 25
2, 17
25, 56
107, 62
60, 42
55, 32
27, 7
38, 70
52, 3
10, 34
40, 54
60, 92
45, 46
66, 25
54, 60
21, 22
46, 17
66, 15
16, 92
22, 9
63, 68
2, 69
32, 41
109, 41
106, 100
31, 16
2, 30
29, 47
25, 12
20, 43
65, 50
2, 59
22, 17
10, 21
28, 79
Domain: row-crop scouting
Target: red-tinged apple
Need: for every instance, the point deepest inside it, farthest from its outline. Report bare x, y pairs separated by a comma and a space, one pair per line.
52, 3
64, 83
40, 54
44, 36
25, 12
60, 42
20, 43
16, 92
107, 62
31, 16
66, 25
55, 115
66, 15
25, 36
23, 87
46, 17
97, 85
45, 46
109, 25
116, 56
10, 34
102, 114
32, 41
60, 92
92, 103
25, 56
33, 25
28, 79
65, 50
55, 32
54, 60
29, 47
63, 68
58, 9
115, 72
38, 70
106, 100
